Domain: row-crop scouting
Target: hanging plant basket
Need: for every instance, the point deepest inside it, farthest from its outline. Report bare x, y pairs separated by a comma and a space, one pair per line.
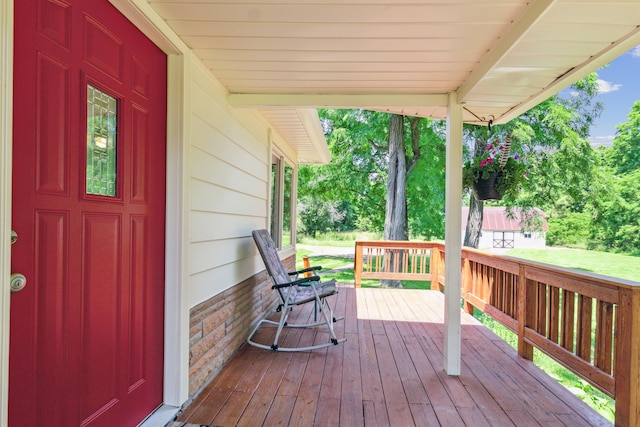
485, 189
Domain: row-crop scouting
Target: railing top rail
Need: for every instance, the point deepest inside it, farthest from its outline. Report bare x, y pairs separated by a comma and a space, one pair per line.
508, 262
600, 279
579, 275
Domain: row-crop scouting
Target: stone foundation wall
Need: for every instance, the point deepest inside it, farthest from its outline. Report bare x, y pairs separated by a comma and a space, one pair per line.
220, 325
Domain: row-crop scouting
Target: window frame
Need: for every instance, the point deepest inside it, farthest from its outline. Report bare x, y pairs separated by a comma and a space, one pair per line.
277, 190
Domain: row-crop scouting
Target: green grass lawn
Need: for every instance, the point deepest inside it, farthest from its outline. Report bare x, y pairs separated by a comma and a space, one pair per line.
609, 264
615, 265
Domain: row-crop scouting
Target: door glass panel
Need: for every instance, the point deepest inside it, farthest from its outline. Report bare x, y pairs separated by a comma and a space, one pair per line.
101, 142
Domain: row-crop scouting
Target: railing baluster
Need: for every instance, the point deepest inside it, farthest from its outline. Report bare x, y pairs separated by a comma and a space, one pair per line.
604, 323
585, 316
554, 313
568, 319
541, 326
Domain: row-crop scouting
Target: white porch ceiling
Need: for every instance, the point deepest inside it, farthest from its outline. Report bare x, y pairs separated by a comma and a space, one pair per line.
501, 56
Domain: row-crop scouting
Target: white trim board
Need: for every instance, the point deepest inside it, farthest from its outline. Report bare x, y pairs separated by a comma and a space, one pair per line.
6, 140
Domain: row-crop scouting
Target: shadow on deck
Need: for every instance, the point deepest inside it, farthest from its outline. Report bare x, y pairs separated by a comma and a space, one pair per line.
388, 373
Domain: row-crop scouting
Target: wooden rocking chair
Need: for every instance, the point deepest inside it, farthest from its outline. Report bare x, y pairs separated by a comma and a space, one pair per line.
293, 291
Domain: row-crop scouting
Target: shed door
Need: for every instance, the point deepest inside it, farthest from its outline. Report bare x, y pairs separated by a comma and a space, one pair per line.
88, 209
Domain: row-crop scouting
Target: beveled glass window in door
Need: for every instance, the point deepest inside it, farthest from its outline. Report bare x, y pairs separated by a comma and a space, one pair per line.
101, 142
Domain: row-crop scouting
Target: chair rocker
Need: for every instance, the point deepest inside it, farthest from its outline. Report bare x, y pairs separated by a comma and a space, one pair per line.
294, 291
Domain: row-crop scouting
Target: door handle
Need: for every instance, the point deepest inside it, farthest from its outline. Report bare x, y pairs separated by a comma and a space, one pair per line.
18, 282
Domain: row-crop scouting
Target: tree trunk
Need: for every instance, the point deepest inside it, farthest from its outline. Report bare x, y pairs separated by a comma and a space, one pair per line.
476, 207
474, 223
395, 223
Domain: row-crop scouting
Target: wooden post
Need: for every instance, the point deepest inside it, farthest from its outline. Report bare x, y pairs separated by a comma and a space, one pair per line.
467, 284
434, 262
306, 264
627, 358
357, 265
525, 292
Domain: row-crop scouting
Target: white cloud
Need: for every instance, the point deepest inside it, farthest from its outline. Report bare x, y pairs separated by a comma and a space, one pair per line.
606, 87
636, 51
597, 141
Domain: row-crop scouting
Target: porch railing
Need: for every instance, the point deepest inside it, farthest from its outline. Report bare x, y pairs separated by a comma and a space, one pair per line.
586, 322
399, 260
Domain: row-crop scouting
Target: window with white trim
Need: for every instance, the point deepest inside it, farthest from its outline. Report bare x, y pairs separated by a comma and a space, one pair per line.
282, 201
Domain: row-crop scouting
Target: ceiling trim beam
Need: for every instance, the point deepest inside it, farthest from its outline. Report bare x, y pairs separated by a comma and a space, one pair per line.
505, 45
143, 16
311, 122
334, 101
594, 63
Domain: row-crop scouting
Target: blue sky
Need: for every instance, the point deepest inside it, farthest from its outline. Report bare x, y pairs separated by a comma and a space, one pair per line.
619, 89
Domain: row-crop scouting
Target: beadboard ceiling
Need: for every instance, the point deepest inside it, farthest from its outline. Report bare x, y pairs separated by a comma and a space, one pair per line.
502, 57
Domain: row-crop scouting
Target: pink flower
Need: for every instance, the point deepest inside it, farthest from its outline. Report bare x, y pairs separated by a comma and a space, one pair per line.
483, 163
490, 161
489, 147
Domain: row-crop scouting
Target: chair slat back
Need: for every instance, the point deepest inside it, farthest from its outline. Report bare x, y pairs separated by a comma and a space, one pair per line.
269, 254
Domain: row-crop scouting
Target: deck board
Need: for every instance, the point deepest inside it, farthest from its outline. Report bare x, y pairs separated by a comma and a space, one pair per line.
388, 372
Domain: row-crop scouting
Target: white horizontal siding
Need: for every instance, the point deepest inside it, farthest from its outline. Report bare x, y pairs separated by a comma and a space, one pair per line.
226, 149
219, 226
230, 162
207, 168
224, 252
211, 282
213, 198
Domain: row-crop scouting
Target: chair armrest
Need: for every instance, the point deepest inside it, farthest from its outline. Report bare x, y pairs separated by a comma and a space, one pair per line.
305, 270
305, 281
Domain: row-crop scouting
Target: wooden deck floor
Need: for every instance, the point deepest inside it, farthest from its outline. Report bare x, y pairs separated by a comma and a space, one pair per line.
388, 373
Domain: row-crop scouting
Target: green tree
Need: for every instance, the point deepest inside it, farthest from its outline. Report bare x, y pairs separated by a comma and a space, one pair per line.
357, 175
616, 212
618, 216
625, 152
551, 138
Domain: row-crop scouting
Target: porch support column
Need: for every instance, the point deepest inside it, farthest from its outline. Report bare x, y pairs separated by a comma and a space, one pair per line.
453, 237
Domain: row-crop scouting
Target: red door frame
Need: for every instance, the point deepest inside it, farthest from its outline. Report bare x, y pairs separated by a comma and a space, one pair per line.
176, 303
161, 165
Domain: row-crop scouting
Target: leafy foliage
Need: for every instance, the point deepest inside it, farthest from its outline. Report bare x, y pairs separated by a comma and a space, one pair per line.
571, 229
317, 216
618, 217
357, 174
625, 154
591, 196
551, 139
511, 170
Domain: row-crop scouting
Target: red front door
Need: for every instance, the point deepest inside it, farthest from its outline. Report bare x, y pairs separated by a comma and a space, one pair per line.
86, 345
